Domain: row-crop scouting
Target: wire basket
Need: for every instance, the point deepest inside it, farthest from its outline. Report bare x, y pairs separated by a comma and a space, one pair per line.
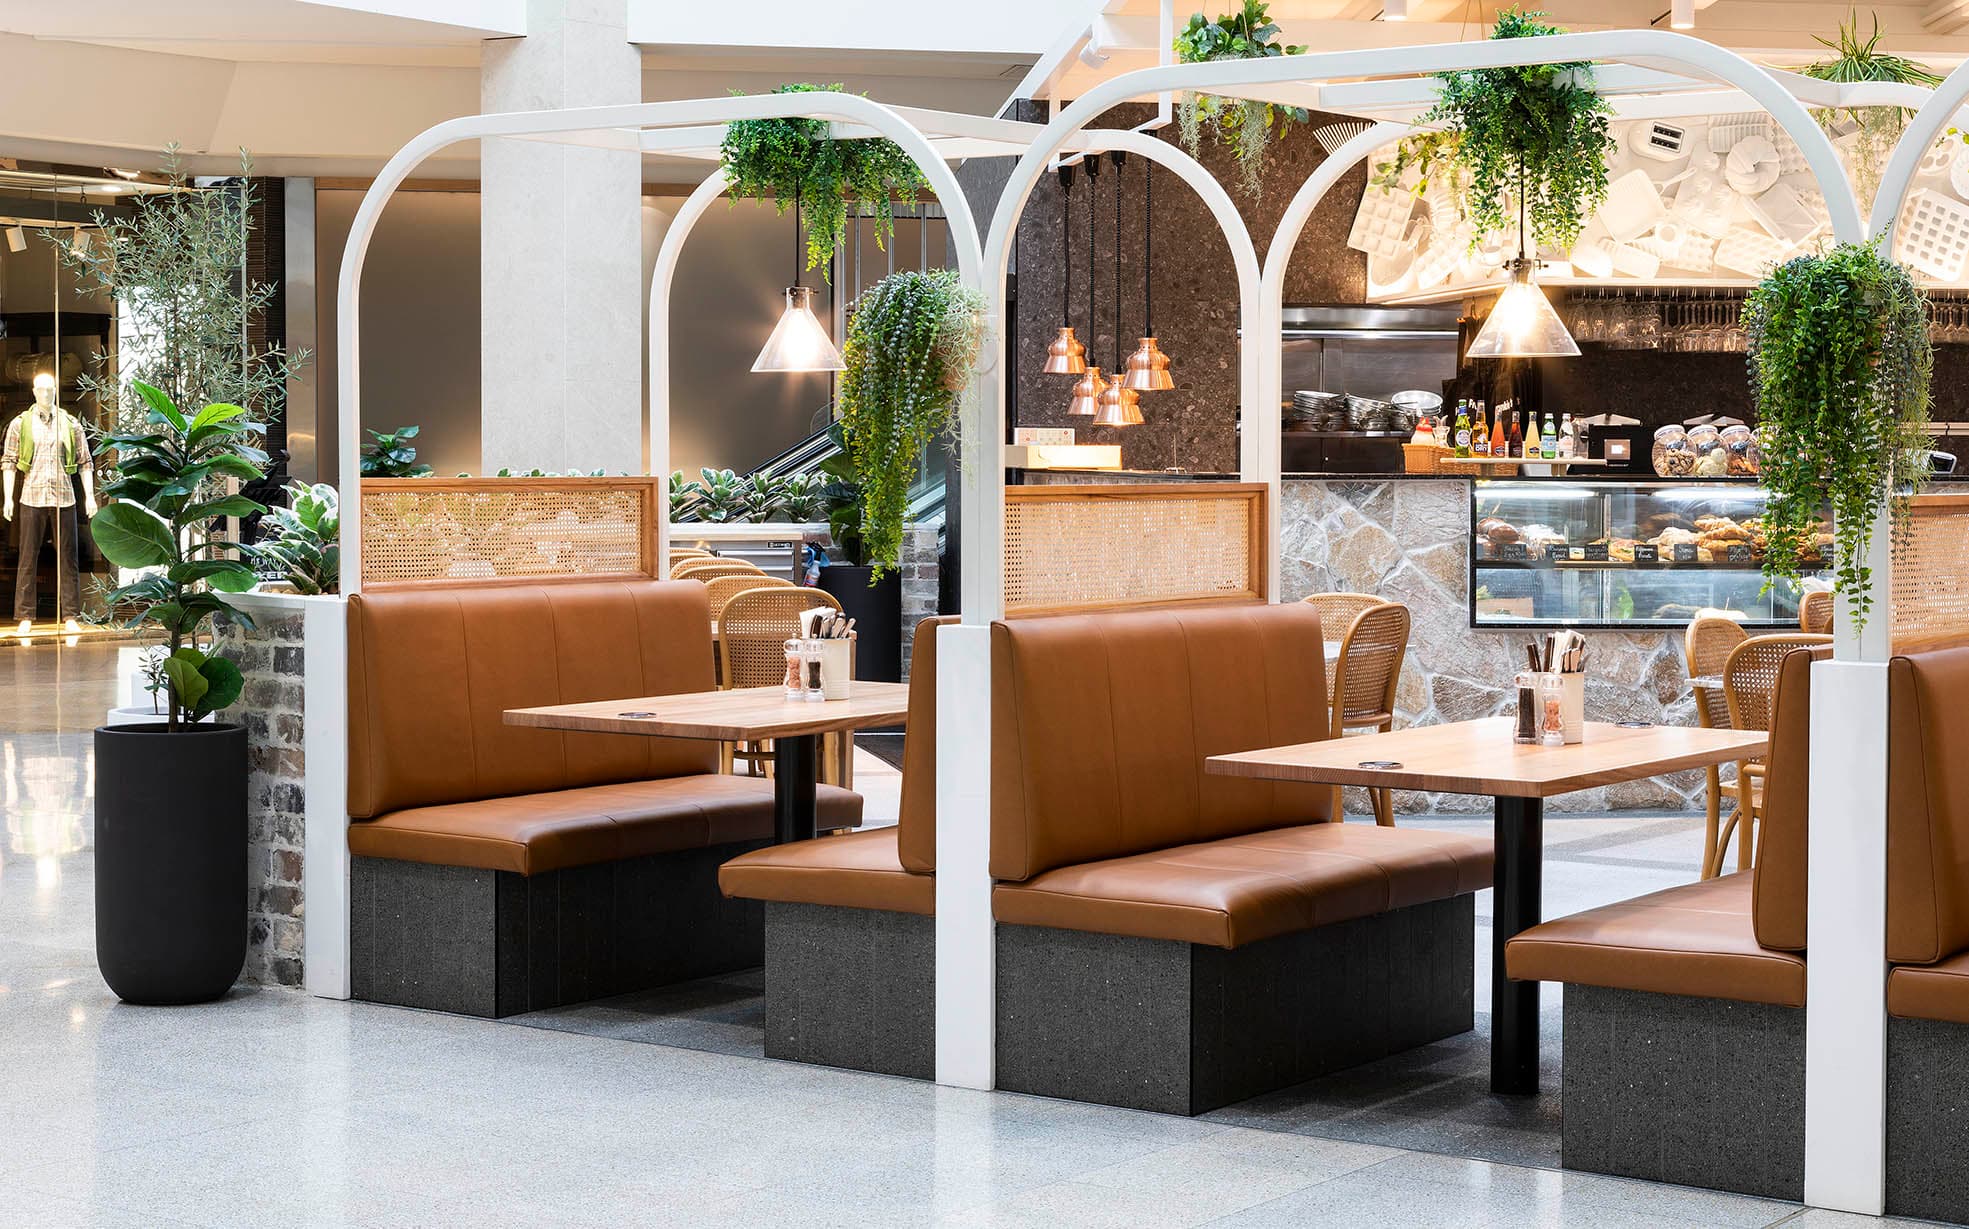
1424, 458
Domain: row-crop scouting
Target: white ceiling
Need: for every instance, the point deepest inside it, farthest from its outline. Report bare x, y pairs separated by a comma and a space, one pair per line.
270, 30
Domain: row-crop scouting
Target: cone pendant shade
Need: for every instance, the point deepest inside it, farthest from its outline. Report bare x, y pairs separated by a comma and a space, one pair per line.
1148, 369
1119, 406
1522, 323
1066, 356
1087, 393
798, 342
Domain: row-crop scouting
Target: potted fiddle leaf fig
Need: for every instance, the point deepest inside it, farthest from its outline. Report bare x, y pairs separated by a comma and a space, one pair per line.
171, 794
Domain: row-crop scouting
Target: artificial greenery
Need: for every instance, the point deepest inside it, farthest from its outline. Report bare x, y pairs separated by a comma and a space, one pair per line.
1840, 365
797, 159
802, 497
1245, 126
166, 490
913, 339
1876, 129
842, 498
171, 260
301, 543
390, 454
1530, 138
722, 496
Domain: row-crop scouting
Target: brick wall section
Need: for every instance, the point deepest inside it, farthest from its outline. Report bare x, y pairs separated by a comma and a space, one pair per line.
921, 576
272, 658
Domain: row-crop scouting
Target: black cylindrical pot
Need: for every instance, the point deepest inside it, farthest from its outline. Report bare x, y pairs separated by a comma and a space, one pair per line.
877, 612
170, 861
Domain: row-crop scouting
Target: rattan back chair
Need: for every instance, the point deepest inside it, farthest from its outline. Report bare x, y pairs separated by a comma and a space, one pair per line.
1363, 683
711, 569
1750, 680
753, 630
722, 589
1706, 646
1815, 613
680, 553
1337, 611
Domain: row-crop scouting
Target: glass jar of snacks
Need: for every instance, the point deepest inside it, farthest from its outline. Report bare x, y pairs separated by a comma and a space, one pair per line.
1673, 458
1740, 447
1712, 460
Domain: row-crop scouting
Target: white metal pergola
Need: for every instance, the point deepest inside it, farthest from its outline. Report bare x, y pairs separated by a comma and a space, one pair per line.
1644, 73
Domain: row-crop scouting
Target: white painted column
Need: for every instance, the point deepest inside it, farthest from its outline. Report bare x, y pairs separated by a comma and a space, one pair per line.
325, 840
560, 230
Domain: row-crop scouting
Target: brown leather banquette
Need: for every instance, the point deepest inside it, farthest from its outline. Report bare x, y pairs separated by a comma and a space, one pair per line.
437, 776
1103, 818
1928, 835
1739, 936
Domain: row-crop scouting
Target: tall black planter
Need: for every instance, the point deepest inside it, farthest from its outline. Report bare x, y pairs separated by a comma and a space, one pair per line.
170, 861
877, 612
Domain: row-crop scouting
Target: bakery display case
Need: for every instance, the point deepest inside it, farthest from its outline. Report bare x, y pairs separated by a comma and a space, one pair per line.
1625, 554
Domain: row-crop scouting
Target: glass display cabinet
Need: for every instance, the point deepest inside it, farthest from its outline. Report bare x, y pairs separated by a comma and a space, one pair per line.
1620, 554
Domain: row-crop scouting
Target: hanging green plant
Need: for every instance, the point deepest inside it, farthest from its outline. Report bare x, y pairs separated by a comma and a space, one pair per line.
1535, 133
1244, 126
784, 160
913, 340
1875, 130
1840, 366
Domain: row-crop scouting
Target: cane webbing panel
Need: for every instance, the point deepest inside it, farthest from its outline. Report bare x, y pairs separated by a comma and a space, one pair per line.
1931, 572
1113, 547
453, 531
753, 630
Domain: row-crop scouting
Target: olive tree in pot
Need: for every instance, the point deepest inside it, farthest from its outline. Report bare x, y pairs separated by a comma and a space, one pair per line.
171, 795
913, 341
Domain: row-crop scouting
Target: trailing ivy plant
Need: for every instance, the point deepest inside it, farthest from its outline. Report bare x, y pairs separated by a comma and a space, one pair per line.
1246, 127
913, 339
785, 160
1840, 366
1531, 137
1876, 129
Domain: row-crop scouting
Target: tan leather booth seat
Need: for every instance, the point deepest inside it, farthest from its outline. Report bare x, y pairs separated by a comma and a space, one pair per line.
1928, 834
1737, 937
436, 775
1937, 991
1103, 818
889, 869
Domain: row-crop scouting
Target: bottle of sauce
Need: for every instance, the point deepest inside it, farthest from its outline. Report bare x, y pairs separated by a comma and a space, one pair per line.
1480, 433
1462, 445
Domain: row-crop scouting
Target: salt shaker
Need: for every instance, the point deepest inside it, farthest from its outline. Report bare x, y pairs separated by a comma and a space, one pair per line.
1551, 706
1527, 731
795, 687
810, 670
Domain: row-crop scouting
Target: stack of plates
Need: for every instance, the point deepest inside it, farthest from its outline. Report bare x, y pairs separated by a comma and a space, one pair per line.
1313, 410
1367, 414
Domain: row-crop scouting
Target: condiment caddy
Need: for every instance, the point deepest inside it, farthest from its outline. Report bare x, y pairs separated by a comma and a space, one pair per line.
820, 661
1552, 692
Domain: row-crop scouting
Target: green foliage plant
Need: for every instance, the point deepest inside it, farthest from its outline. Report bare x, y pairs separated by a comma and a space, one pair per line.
683, 497
720, 496
1840, 367
764, 496
788, 160
913, 339
1531, 138
171, 260
390, 454
303, 540
802, 498
1244, 126
1876, 129
168, 486
841, 497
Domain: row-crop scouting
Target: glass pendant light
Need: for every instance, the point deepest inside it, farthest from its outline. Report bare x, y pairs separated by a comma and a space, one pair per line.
1522, 323
1148, 367
1088, 389
798, 342
1066, 356
1117, 405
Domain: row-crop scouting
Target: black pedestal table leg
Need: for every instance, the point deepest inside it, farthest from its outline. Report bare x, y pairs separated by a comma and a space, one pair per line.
796, 778
1519, 827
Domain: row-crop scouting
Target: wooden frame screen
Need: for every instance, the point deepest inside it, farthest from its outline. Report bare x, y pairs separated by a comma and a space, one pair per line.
1117, 547
1931, 572
463, 531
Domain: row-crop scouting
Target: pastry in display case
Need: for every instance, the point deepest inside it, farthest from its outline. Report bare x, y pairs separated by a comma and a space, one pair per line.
1623, 554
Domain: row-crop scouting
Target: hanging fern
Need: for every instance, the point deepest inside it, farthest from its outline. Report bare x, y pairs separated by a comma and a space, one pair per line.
913, 339
1875, 129
788, 159
1840, 365
1243, 125
1538, 130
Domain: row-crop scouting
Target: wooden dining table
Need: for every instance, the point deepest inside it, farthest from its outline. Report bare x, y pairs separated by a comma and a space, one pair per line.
742, 714
1480, 757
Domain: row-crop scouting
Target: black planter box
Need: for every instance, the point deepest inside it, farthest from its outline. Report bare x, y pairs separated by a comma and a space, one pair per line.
877, 612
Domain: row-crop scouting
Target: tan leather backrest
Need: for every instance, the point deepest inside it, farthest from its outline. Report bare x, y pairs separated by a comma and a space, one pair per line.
1778, 879
432, 671
1101, 724
1928, 805
916, 816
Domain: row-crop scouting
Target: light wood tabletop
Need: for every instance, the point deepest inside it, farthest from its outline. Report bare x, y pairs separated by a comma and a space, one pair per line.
1479, 757
745, 714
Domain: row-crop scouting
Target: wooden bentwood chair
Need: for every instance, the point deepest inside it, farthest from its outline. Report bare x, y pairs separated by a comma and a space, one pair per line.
1363, 682
1337, 612
1750, 680
1706, 646
722, 589
752, 633
711, 569
1815, 613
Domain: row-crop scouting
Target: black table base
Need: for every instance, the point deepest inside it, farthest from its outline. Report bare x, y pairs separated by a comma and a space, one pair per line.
1518, 827
796, 780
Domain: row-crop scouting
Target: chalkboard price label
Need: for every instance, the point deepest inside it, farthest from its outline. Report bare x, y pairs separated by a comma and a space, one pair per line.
1685, 552
1646, 553
1739, 552
1596, 552
1511, 552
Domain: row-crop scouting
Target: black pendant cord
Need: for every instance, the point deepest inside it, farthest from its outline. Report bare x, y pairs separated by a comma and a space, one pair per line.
798, 263
1066, 229
1093, 198
1148, 249
1117, 156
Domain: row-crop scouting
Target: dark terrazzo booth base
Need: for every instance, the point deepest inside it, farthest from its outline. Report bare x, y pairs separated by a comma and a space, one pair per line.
851, 988
1694, 1091
1928, 1119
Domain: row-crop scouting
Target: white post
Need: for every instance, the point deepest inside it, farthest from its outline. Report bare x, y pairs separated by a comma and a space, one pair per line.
662, 277
325, 839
